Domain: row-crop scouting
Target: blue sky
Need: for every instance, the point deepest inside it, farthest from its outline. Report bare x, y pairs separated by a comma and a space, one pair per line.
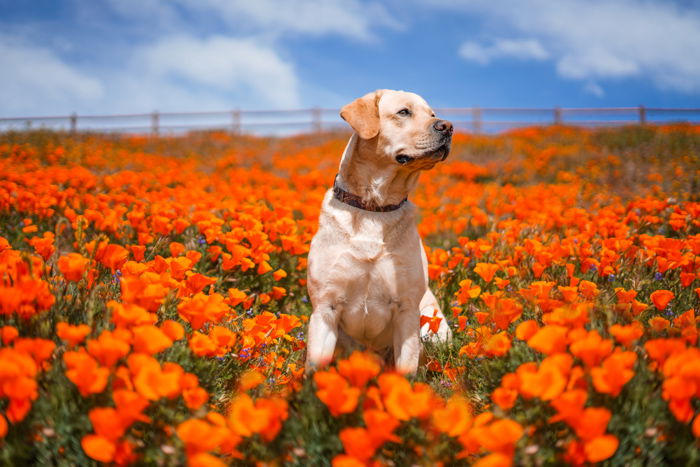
116, 56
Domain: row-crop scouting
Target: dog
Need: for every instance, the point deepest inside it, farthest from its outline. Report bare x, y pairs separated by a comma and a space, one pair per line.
367, 268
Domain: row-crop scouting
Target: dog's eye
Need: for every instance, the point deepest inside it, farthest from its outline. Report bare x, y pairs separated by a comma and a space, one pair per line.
403, 112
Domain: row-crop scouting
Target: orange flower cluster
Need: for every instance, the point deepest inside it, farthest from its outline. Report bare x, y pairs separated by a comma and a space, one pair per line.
145, 279
22, 289
679, 365
393, 401
246, 418
22, 359
124, 357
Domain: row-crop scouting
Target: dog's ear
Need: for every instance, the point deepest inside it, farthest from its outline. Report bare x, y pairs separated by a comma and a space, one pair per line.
363, 115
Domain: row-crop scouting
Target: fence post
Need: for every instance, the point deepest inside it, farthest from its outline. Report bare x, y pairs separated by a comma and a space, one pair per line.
476, 120
642, 115
155, 122
557, 115
73, 123
236, 121
316, 119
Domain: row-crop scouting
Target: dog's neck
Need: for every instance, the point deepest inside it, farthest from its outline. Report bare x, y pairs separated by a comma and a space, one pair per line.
370, 177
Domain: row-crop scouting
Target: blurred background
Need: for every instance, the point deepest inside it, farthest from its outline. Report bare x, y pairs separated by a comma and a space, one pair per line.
174, 65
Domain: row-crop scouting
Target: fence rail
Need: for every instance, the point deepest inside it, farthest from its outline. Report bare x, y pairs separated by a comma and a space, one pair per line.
476, 119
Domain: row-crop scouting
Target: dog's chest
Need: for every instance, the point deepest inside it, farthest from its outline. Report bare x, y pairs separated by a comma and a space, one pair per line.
368, 242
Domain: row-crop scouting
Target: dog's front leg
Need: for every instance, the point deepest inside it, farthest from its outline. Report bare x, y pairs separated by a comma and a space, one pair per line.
407, 340
323, 336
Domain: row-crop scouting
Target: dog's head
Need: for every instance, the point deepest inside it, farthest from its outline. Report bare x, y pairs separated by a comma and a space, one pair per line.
403, 127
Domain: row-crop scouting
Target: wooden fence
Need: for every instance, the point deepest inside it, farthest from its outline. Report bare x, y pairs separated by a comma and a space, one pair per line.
475, 119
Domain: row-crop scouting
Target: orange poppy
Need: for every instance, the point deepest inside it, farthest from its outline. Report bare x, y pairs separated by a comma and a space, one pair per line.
85, 373
467, 291
279, 274
661, 298
526, 329
343, 460
336, 393
486, 271
223, 338
358, 443
660, 349
153, 382
589, 290
130, 405
495, 459
455, 418
98, 447
176, 248
203, 308
200, 436
126, 315
505, 311
235, 296
74, 335
433, 322
174, 330
112, 256
498, 436
570, 294
626, 335
263, 416
497, 345
107, 423
73, 266
569, 405
150, 339
8, 334
505, 398
194, 398
250, 379
44, 245
615, 371
203, 459
359, 368
600, 448
381, 425
591, 348
108, 348
625, 296
592, 423
658, 324
402, 401
549, 339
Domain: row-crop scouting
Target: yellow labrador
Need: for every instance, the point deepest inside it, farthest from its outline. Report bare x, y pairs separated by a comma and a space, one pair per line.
367, 269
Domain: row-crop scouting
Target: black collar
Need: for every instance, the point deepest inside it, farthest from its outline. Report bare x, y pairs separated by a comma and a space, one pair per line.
357, 202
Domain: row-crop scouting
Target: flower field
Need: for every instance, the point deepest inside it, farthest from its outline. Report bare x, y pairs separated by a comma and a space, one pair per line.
153, 305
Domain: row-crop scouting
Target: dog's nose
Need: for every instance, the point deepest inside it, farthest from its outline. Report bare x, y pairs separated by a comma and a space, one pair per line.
444, 127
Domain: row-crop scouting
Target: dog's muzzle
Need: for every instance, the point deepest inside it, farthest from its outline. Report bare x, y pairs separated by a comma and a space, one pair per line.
442, 129
440, 153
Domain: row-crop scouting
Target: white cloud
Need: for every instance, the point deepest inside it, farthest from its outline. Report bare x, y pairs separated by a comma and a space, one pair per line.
224, 63
350, 18
175, 73
347, 18
593, 40
35, 76
594, 89
526, 49
172, 55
